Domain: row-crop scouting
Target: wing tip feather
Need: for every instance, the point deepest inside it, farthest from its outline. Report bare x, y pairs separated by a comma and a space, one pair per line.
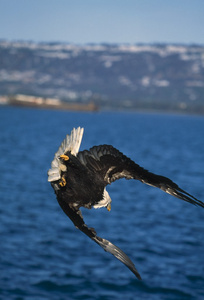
118, 253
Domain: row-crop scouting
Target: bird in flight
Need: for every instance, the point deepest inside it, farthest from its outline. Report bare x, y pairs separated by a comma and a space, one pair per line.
79, 179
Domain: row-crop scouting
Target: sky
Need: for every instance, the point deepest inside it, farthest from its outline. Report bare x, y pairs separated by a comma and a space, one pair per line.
103, 21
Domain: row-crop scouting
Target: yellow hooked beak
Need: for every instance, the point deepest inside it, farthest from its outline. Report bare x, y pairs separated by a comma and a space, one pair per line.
108, 207
64, 157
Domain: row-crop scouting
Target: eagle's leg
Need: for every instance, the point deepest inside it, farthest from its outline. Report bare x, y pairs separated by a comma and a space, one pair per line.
62, 182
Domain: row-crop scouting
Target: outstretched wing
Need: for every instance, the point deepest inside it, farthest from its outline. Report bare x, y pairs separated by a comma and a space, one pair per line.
111, 164
76, 217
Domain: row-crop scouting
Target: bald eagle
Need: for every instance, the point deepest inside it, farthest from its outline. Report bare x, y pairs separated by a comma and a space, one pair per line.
79, 179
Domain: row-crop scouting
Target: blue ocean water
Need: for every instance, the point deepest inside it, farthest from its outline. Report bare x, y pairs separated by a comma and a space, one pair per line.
43, 256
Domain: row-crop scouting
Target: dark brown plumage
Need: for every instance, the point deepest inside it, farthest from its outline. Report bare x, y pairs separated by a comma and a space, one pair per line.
80, 179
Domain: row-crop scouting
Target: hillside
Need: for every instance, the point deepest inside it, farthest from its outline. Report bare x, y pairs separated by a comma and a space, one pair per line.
167, 77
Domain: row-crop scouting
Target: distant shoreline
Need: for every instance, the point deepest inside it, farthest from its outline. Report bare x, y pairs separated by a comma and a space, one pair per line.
47, 103
91, 107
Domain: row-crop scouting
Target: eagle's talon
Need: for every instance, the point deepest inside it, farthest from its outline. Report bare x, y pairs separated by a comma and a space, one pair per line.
62, 182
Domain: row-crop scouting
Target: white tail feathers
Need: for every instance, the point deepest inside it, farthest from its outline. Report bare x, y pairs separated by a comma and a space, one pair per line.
71, 143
